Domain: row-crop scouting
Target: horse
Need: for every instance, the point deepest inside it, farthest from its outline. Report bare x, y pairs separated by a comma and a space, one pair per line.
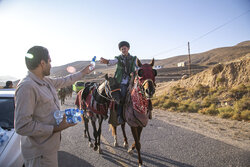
138, 105
69, 91
62, 95
65, 92
95, 100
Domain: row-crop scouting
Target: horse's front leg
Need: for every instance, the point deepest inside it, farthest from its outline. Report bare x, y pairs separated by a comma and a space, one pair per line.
136, 134
125, 143
95, 134
99, 133
115, 136
86, 131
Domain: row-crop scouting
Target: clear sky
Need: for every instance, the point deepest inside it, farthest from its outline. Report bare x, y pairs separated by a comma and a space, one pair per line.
75, 30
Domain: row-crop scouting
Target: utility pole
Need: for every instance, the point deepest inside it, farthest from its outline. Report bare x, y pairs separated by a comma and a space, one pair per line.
189, 60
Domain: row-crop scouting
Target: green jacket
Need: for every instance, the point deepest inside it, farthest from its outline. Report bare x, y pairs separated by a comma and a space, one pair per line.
124, 68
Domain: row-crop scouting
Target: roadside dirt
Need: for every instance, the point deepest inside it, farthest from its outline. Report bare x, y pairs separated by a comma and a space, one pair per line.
235, 133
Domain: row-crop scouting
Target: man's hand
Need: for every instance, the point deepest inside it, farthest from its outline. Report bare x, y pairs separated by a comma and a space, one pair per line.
63, 125
86, 70
103, 61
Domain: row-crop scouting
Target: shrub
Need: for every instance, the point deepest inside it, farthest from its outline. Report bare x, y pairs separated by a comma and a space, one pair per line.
226, 112
193, 107
242, 104
155, 102
158, 101
236, 116
221, 89
211, 110
188, 106
201, 91
178, 91
170, 103
182, 107
202, 111
239, 91
212, 91
209, 100
245, 115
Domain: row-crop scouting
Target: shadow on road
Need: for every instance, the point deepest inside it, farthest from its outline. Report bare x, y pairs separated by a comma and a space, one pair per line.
161, 161
148, 159
65, 160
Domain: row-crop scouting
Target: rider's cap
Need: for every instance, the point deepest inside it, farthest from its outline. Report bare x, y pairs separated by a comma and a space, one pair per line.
123, 43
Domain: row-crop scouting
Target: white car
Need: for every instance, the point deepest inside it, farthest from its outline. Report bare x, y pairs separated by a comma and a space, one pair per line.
10, 149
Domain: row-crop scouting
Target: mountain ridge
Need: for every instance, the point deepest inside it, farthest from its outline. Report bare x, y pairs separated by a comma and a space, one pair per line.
204, 60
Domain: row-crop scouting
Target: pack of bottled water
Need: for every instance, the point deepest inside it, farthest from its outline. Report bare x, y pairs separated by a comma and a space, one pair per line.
73, 115
3, 136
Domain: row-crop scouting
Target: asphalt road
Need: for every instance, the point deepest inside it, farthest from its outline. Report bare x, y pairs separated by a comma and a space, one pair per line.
162, 144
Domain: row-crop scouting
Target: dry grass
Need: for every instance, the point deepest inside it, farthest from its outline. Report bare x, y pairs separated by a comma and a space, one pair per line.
208, 101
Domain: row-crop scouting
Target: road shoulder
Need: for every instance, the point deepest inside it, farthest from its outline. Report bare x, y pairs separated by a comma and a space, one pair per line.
232, 132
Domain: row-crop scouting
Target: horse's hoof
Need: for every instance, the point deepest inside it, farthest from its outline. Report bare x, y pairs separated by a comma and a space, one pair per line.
85, 136
140, 165
125, 145
130, 151
95, 148
100, 151
91, 144
115, 144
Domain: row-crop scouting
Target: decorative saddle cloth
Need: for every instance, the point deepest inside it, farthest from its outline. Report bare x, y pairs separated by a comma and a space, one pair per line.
93, 106
85, 100
136, 108
139, 101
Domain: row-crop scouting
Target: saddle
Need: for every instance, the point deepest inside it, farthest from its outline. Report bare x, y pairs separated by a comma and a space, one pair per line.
89, 96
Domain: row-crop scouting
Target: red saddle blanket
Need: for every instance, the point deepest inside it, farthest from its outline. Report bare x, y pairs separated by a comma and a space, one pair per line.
136, 109
139, 101
91, 104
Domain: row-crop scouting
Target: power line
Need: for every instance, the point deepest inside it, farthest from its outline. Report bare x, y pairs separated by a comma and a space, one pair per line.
222, 25
202, 36
167, 51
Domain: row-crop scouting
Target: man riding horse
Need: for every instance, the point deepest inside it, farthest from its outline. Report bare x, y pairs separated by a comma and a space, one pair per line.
125, 65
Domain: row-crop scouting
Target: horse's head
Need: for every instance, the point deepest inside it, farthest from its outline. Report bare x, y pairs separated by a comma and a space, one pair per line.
112, 88
146, 76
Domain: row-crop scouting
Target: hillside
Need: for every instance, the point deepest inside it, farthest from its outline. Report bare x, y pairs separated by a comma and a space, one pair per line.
170, 71
223, 90
211, 57
228, 74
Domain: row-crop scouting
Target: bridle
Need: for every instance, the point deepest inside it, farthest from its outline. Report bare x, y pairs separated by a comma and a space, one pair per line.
141, 85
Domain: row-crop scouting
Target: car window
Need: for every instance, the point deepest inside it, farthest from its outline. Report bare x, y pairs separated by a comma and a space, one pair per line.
80, 84
7, 107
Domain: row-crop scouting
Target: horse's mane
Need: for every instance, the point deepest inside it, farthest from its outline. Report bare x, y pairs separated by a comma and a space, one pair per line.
101, 87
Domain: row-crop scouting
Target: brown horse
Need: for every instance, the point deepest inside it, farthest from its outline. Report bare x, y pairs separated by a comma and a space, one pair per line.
95, 100
62, 95
138, 105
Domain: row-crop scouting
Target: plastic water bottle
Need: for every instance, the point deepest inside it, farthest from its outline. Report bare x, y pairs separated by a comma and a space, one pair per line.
58, 115
3, 136
92, 63
73, 115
